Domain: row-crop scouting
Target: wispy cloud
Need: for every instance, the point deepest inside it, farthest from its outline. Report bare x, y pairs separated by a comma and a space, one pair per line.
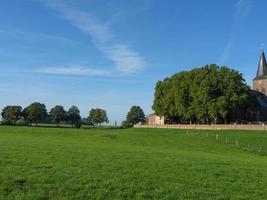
226, 54
34, 36
125, 59
81, 71
242, 9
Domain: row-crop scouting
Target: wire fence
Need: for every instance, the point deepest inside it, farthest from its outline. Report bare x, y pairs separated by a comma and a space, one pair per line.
252, 142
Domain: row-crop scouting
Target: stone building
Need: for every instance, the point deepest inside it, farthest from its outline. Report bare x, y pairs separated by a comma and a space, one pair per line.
260, 81
153, 119
258, 103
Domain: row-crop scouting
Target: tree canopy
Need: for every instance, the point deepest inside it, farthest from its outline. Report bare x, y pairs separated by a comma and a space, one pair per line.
11, 113
35, 112
73, 115
135, 115
209, 94
58, 114
98, 116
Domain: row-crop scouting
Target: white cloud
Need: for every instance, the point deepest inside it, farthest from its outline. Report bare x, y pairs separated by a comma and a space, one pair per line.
125, 59
82, 71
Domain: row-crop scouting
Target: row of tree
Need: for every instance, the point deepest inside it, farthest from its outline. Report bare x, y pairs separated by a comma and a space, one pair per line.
209, 94
37, 112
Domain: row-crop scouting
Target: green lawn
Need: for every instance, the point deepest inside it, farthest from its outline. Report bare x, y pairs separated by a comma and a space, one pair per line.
57, 163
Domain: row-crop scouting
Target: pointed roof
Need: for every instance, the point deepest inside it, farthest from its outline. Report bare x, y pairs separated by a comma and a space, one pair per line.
262, 68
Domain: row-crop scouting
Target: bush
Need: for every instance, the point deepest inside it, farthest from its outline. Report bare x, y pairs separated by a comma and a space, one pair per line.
126, 124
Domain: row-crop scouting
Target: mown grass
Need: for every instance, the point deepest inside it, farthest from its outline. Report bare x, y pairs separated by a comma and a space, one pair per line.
56, 163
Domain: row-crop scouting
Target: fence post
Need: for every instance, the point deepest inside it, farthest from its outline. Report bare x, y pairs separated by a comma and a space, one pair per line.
217, 137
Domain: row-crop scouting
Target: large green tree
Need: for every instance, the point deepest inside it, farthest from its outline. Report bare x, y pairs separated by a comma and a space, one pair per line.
205, 95
73, 115
11, 114
135, 115
98, 116
35, 112
58, 114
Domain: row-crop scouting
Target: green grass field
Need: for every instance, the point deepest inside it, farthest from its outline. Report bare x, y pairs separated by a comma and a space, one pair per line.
57, 163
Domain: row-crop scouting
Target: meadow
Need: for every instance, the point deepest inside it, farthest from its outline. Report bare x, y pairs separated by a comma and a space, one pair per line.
64, 163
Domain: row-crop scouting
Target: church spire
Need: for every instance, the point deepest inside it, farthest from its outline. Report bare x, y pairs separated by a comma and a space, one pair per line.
262, 68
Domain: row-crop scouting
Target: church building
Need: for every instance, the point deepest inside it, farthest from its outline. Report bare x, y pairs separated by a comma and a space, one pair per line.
260, 81
258, 101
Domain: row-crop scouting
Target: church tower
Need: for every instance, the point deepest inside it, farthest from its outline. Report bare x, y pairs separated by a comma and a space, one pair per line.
260, 81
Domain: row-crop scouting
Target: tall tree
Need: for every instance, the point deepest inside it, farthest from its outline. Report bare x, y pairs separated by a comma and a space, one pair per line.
58, 114
73, 115
35, 112
135, 115
11, 114
205, 95
98, 116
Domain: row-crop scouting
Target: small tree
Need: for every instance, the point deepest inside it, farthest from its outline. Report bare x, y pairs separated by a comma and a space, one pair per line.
135, 115
35, 112
98, 116
73, 115
58, 114
11, 113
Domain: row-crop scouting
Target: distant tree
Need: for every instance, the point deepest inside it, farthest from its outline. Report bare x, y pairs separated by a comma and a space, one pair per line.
11, 114
73, 115
35, 112
98, 116
135, 115
58, 114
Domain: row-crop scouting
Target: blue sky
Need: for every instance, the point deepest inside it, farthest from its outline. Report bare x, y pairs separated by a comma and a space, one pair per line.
110, 53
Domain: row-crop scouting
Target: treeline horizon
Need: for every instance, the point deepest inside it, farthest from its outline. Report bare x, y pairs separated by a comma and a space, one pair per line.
37, 113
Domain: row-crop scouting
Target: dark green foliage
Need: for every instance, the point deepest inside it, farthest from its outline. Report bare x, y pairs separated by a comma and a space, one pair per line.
134, 116
126, 124
35, 113
208, 94
73, 115
58, 114
11, 114
98, 116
